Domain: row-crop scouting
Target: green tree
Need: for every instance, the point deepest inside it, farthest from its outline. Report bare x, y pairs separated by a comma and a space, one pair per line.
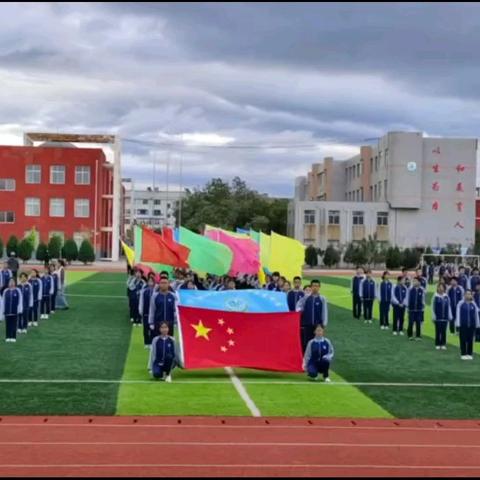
331, 256
42, 252
311, 257
393, 258
12, 245
260, 223
349, 253
359, 256
86, 254
25, 249
55, 246
70, 251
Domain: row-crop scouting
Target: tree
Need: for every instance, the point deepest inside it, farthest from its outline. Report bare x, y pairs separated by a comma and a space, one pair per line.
359, 256
1, 248
311, 257
331, 256
12, 245
259, 223
349, 253
410, 258
25, 249
86, 253
55, 246
70, 251
42, 252
393, 258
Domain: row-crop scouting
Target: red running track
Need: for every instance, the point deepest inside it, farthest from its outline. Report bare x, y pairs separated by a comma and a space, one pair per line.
197, 446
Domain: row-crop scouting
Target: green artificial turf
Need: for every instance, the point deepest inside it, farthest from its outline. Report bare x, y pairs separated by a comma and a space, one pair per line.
95, 341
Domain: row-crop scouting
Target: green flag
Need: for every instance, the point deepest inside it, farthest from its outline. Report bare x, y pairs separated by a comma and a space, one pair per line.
255, 236
205, 254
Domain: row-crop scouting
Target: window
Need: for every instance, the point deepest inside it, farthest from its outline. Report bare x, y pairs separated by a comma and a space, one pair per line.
144, 202
346, 174
385, 188
7, 184
57, 234
382, 218
386, 157
361, 194
169, 205
157, 213
82, 175
358, 170
376, 164
57, 207
379, 190
82, 208
7, 217
371, 193
57, 174
353, 171
371, 165
33, 174
357, 218
309, 217
334, 217
157, 202
142, 211
375, 189
32, 207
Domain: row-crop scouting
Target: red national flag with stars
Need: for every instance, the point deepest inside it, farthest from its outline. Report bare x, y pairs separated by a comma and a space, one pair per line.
216, 338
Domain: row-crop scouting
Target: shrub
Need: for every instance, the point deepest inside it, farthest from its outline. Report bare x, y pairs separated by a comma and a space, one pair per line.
331, 257
12, 245
393, 258
55, 246
25, 249
86, 253
70, 251
311, 256
42, 252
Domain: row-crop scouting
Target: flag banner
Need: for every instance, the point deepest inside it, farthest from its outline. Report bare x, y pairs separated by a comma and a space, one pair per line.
129, 253
264, 341
210, 228
287, 256
254, 301
138, 238
264, 242
242, 231
255, 236
181, 251
206, 255
245, 252
156, 249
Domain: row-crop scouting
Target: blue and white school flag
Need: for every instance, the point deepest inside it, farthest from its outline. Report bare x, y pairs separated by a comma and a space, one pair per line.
253, 301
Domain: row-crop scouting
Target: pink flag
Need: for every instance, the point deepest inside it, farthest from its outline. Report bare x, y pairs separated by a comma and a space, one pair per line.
245, 252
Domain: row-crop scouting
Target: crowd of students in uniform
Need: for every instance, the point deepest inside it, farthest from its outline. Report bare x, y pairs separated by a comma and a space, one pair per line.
455, 305
153, 304
26, 299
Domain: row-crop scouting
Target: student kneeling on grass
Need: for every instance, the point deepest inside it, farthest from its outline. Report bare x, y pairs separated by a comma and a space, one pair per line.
318, 355
163, 355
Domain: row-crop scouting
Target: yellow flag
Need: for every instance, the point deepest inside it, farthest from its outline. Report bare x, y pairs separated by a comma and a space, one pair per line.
287, 256
261, 276
265, 249
129, 253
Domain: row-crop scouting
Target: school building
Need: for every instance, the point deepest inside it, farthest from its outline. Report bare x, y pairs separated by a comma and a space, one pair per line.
408, 190
59, 188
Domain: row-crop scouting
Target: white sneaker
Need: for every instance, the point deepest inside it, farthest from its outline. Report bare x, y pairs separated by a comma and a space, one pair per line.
146, 347
131, 320
395, 333
401, 333
444, 347
464, 357
13, 340
327, 380
168, 379
470, 357
437, 348
35, 324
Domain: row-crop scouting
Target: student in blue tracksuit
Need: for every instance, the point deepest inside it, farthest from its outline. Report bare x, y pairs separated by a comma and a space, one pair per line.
318, 355
463, 279
431, 273
467, 321
441, 316
163, 354
56, 283
27, 295
144, 310
367, 294
384, 296
135, 285
294, 295
474, 279
408, 280
162, 308
416, 307
456, 293
314, 312
273, 285
422, 278
5, 275
47, 292
476, 299
37, 294
11, 309
355, 291
399, 304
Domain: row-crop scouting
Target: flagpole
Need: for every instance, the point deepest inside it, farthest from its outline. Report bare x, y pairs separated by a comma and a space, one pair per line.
181, 192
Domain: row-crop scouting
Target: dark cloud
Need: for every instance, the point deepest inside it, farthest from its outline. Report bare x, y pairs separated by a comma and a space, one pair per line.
327, 75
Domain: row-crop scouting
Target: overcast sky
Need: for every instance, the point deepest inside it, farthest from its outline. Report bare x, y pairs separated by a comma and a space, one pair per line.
321, 77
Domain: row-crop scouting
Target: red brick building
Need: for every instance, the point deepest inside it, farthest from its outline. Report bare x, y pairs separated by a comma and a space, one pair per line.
58, 189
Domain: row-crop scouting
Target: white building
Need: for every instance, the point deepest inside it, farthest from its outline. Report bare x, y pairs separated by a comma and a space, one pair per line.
152, 206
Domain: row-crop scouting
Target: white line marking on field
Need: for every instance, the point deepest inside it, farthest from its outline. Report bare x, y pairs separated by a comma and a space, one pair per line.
245, 382
243, 392
444, 429
242, 466
243, 444
94, 282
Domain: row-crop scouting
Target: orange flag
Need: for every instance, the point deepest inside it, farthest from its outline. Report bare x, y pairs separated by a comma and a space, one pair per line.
155, 249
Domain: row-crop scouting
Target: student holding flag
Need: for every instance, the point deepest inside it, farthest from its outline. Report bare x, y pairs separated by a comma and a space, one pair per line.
314, 312
163, 355
294, 295
318, 356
